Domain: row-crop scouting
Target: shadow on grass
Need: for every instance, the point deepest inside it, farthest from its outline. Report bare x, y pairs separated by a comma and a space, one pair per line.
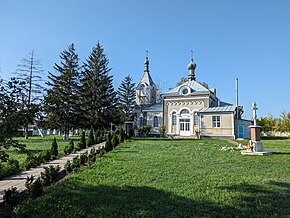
274, 138
257, 201
74, 200
280, 152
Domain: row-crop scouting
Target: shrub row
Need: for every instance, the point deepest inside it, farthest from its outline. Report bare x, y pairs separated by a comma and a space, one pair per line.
35, 187
86, 158
10, 168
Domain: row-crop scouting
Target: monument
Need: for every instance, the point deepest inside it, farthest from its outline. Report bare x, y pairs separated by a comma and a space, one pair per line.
255, 145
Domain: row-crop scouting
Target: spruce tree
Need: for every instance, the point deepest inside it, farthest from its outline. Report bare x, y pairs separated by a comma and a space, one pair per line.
122, 135
98, 95
126, 96
91, 138
82, 143
108, 145
115, 140
53, 150
62, 101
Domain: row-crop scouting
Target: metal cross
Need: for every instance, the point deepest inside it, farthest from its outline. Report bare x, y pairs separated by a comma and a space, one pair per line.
254, 108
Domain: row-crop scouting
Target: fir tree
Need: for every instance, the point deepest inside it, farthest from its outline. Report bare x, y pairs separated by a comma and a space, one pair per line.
53, 150
90, 138
126, 96
82, 143
62, 101
122, 135
108, 145
115, 140
98, 95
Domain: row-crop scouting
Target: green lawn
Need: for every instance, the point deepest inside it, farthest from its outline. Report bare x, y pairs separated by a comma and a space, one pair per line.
173, 178
37, 144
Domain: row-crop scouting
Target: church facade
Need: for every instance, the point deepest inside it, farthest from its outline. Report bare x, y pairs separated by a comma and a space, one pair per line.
188, 110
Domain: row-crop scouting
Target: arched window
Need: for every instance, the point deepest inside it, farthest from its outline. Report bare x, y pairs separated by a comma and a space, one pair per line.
142, 121
195, 118
174, 119
155, 121
184, 111
142, 90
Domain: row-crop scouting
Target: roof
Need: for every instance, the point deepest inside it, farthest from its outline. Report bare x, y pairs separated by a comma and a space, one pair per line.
218, 109
147, 79
155, 107
195, 86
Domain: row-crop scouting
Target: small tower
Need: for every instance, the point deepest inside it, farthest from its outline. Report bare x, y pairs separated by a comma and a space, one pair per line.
146, 88
191, 67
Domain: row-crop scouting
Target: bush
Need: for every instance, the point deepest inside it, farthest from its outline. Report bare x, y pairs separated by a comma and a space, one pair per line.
83, 158
53, 150
115, 140
90, 140
144, 130
34, 189
122, 136
76, 163
50, 174
97, 137
78, 147
82, 143
11, 197
46, 155
12, 167
131, 133
109, 145
68, 167
69, 148
162, 130
31, 161
92, 156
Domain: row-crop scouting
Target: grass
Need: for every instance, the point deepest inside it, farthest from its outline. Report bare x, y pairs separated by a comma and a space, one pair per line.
36, 144
173, 178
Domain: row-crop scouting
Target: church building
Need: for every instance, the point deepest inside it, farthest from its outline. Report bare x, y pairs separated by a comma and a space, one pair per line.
188, 110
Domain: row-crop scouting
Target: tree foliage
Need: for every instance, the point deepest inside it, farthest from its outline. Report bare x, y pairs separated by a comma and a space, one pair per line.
29, 75
62, 100
98, 95
11, 116
270, 123
126, 97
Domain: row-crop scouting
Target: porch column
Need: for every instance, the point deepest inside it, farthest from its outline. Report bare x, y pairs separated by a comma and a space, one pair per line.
191, 128
170, 124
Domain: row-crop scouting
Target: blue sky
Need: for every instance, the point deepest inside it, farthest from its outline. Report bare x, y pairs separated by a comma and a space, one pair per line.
248, 39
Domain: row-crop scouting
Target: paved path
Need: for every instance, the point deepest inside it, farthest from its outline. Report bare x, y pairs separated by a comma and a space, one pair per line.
20, 179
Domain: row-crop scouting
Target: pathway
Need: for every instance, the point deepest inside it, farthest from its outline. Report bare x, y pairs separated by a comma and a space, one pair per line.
20, 179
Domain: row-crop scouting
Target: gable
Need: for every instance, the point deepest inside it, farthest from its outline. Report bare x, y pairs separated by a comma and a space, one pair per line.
192, 85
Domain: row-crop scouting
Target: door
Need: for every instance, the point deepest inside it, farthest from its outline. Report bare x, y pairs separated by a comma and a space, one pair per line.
241, 132
184, 125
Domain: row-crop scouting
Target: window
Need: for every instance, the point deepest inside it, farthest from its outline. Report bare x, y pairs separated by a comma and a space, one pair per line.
174, 119
185, 91
216, 121
155, 121
184, 111
142, 121
196, 119
142, 90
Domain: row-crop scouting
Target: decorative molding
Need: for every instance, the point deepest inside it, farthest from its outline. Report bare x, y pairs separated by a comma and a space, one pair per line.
173, 103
